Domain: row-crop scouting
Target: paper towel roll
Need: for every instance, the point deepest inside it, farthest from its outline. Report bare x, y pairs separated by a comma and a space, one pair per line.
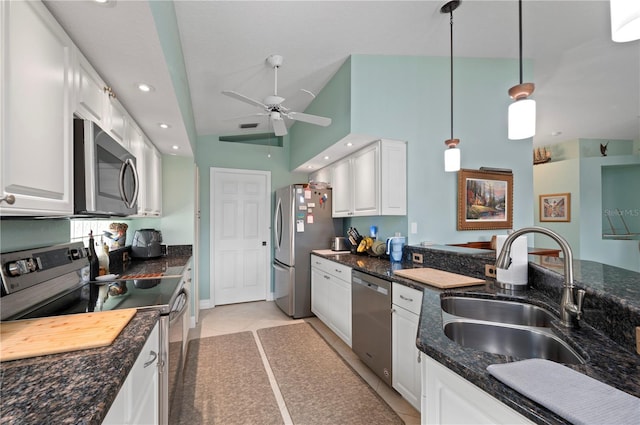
517, 273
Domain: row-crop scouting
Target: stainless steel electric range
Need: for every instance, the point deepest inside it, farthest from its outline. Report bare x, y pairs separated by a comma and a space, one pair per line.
54, 280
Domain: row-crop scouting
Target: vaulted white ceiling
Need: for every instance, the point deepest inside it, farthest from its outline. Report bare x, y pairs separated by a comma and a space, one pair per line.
586, 85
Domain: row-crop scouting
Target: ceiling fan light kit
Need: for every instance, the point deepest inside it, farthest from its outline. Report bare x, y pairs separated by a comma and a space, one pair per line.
521, 122
452, 153
273, 107
625, 20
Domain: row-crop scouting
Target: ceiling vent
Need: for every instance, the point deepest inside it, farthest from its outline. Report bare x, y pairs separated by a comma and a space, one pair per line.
249, 125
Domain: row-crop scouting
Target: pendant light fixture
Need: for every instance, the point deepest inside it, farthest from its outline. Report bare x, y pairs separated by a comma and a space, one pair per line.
452, 153
522, 112
625, 20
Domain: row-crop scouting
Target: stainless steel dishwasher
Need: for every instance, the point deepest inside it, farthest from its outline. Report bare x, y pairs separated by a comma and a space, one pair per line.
371, 322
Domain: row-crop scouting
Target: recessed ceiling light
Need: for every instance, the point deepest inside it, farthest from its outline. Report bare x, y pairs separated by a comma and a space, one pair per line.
144, 87
556, 133
175, 147
309, 166
326, 157
349, 144
164, 126
107, 3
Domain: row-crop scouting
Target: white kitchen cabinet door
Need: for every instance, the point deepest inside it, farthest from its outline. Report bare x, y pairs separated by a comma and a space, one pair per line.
342, 192
153, 167
406, 378
320, 294
365, 169
117, 121
393, 177
90, 92
138, 399
36, 134
448, 398
340, 308
331, 295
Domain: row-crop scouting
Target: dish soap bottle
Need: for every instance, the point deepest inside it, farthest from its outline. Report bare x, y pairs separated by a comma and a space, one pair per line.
103, 258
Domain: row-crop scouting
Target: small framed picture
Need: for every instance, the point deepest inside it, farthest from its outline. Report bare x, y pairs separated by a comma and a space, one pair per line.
485, 200
555, 207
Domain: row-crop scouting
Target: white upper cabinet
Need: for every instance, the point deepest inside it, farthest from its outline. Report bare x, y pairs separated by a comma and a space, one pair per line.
36, 113
371, 181
90, 92
96, 101
149, 165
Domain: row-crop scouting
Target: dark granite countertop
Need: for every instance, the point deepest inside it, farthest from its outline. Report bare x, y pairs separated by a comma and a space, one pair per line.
605, 359
79, 387
72, 388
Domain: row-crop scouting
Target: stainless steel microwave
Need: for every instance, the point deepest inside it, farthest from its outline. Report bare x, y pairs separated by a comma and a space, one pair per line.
105, 176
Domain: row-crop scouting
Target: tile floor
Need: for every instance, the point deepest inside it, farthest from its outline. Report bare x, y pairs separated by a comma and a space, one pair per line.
256, 315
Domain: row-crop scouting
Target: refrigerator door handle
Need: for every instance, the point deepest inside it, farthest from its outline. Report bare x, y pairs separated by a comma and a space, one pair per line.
277, 219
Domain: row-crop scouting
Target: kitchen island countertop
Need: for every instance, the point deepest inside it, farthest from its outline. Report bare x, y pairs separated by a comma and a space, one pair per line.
606, 360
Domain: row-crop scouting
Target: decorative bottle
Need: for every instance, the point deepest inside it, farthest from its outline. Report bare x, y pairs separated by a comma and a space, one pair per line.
94, 265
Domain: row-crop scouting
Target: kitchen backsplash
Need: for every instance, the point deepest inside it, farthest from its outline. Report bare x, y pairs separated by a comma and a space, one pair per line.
180, 250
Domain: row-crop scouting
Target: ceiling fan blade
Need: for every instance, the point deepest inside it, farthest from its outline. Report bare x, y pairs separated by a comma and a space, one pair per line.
279, 127
311, 119
243, 98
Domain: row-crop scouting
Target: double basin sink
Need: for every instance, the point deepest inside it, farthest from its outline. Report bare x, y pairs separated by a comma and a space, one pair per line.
507, 328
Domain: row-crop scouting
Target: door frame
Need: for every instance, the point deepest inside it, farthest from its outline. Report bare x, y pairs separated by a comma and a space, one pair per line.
267, 226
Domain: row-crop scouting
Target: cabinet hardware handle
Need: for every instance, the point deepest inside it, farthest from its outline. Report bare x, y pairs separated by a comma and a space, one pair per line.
419, 360
109, 91
326, 277
402, 297
339, 271
150, 362
9, 199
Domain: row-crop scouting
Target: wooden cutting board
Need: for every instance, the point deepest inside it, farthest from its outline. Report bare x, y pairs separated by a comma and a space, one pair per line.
21, 339
438, 278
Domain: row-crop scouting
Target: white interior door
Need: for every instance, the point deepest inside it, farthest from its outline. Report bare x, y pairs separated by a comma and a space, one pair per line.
240, 211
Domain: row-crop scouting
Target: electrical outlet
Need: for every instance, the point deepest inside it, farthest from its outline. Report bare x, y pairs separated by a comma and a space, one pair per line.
417, 258
490, 270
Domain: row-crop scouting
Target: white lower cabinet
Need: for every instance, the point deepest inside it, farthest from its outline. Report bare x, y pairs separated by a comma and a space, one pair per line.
406, 358
331, 295
448, 398
138, 400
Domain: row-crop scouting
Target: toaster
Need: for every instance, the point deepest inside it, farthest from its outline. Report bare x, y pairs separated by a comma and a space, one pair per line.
340, 243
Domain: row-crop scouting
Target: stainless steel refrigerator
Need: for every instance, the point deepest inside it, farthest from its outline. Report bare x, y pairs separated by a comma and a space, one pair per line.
302, 223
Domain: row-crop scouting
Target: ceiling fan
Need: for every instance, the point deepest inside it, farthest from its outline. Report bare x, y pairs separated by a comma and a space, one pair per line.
273, 107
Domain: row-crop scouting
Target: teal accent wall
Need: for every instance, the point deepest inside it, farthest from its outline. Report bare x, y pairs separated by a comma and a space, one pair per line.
178, 200
213, 153
164, 15
18, 234
334, 101
407, 98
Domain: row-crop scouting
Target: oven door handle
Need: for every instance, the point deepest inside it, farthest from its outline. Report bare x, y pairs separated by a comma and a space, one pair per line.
182, 301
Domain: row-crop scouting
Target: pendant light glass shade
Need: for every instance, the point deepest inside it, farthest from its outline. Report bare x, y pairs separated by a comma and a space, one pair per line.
625, 20
452, 158
522, 119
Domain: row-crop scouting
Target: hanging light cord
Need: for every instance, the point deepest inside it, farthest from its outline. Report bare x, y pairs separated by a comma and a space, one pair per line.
520, 35
451, 67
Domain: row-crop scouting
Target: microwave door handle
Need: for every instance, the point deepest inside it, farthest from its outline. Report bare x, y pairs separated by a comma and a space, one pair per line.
129, 163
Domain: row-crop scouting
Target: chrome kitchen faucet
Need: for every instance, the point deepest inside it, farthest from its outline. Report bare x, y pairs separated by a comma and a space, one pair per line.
570, 305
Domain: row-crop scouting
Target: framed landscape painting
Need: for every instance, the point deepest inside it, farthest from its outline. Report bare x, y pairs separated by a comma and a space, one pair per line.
485, 200
555, 207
